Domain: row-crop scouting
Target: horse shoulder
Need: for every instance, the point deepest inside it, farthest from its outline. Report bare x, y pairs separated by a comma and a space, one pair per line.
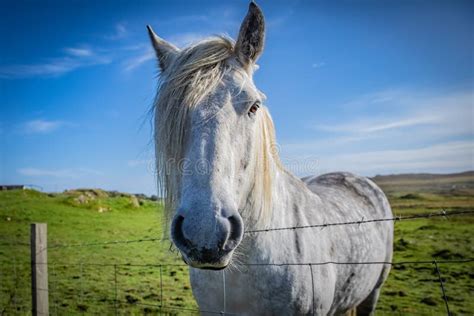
344, 185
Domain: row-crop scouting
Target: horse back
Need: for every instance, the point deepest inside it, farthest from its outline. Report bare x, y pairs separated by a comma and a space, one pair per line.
344, 187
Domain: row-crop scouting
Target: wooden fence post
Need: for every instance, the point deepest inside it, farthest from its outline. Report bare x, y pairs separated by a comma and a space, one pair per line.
39, 269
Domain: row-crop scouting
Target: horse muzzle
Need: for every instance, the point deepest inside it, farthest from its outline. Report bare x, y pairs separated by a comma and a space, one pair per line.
207, 244
198, 263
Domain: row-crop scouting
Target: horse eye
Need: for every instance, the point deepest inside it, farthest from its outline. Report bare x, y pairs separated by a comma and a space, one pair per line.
253, 109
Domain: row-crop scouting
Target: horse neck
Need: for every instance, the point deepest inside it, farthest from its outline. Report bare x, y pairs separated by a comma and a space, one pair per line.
291, 205
291, 200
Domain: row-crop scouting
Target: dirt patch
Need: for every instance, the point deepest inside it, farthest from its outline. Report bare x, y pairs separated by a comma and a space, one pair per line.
411, 196
447, 254
429, 301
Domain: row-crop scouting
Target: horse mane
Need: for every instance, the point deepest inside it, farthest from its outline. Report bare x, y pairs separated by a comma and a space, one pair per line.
189, 78
260, 199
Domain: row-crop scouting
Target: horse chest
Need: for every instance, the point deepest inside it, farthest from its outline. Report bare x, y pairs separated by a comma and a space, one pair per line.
264, 290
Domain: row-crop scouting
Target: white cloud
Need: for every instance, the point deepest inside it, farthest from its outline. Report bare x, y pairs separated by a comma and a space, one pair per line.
52, 67
78, 52
444, 157
137, 61
441, 115
310, 147
401, 123
280, 20
41, 126
58, 173
371, 126
120, 31
134, 47
72, 59
379, 98
399, 132
318, 65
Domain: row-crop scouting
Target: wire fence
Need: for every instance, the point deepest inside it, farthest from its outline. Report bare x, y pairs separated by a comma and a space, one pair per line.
442, 213
116, 297
116, 303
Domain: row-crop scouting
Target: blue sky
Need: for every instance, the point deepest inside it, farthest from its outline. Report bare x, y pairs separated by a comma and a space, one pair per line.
372, 87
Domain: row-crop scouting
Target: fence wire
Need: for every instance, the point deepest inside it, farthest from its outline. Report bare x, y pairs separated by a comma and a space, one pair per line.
442, 213
171, 264
115, 302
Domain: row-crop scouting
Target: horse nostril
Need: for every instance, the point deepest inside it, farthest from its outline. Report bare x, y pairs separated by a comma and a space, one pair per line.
236, 229
177, 233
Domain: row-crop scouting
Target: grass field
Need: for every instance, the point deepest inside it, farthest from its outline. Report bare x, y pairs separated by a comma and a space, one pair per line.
90, 288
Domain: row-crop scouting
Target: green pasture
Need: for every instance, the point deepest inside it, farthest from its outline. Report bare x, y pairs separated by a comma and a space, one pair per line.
127, 277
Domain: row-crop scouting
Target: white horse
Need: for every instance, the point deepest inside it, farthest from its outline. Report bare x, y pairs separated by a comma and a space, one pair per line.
219, 173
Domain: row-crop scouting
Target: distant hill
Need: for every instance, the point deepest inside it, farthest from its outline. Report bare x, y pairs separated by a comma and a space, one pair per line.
455, 183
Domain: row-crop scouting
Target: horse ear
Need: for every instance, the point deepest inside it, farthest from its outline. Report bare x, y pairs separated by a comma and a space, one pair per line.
164, 51
251, 38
